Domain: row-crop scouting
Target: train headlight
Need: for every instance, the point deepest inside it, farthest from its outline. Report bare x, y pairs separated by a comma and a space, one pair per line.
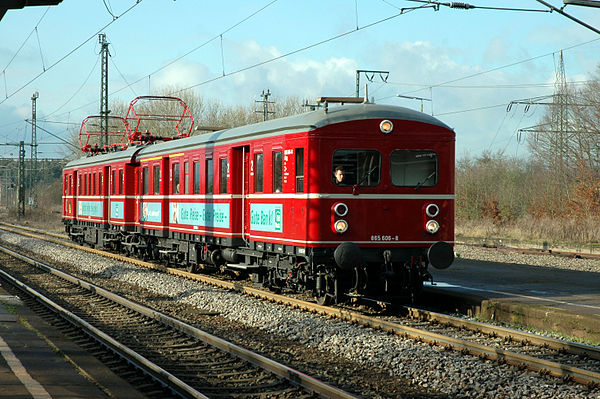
386, 126
432, 226
340, 226
432, 210
340, 209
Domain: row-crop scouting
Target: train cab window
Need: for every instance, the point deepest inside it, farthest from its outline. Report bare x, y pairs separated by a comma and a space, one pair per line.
223, 175
156, 179
277, 171
145, 182
209, 176
100, 184
258, 173
186, 178
85, 184
121, 181
356, 167
299, 170
196, 167
413, 168
70, 189
175, 178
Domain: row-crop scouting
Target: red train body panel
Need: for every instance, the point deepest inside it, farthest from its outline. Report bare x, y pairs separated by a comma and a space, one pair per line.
263, 199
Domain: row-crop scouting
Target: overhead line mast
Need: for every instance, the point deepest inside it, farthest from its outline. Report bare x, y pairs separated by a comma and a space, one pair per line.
104, 111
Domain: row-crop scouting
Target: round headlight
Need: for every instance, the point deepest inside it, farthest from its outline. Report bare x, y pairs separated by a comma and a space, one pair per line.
340, 209
386, 126
432, 210
432, 226
340, 226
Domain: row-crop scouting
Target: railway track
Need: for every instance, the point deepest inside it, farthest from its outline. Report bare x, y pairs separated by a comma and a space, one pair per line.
164, 356
546, 355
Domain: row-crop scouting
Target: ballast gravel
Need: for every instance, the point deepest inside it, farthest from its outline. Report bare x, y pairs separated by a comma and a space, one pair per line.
429, 371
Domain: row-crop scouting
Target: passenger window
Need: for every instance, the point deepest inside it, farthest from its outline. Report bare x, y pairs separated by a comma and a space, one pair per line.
145, 182
416, 168
113, 178
121, 181
156, 177
209, 176
223, 175
196, 177
85, 184
299, 170
175, 178
356, 167
258, 173
186, 178
277, 171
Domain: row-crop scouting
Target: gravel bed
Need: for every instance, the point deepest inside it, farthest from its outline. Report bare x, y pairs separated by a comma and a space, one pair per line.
505, 255
427, 370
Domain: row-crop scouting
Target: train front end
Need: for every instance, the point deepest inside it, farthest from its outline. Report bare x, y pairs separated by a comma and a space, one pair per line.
387, 208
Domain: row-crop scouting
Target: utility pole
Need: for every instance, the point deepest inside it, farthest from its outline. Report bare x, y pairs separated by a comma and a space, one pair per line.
21, 182
265, 101
34, 148
104, 89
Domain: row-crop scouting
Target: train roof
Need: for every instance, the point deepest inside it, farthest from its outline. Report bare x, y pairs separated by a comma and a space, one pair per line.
292, 124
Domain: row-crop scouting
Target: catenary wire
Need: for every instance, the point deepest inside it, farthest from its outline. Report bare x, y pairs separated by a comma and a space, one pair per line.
70, 52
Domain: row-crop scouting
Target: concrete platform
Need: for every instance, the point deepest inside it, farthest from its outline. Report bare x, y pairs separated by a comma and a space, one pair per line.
37, 361
544, 298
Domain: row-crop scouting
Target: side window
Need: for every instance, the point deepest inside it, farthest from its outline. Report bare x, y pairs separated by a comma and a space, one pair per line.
416, 168
277, 171
175, 178
299, 170
145, 182
85, 184
70, 184
113, 181
209, 176
121, 181
156, 177
196, 177
258, 172
100, 184
360, 167
186, 178
223, 175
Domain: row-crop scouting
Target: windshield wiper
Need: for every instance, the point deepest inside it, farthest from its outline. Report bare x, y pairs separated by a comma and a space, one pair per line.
419, 184
367, 175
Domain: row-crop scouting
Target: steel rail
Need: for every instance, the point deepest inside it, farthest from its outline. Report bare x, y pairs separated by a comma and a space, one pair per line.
556, 369
157, 373
294, 376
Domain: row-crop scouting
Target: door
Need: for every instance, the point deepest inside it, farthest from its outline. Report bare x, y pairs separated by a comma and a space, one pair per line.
240, 211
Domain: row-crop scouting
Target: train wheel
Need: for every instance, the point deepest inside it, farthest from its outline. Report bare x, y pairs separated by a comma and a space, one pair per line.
326, 290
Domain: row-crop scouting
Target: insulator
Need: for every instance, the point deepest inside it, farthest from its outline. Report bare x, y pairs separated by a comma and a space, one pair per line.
464, 6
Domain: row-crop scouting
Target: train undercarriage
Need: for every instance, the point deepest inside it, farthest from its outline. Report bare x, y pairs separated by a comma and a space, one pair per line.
332, 275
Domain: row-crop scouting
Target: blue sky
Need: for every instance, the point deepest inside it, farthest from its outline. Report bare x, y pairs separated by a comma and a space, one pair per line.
489, 57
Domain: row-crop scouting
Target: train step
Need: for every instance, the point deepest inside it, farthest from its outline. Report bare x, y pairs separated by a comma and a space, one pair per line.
241, 266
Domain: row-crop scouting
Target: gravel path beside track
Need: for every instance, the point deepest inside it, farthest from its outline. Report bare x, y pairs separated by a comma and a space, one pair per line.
423, 367
505, 255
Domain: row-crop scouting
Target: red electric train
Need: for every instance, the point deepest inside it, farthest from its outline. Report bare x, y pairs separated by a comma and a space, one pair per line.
345, 201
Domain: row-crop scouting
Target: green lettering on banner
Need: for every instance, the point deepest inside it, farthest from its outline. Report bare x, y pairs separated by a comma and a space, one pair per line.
90, 208
266, 217
200, 214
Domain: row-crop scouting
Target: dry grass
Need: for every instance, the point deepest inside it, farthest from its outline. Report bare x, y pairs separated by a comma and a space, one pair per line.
565, 231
